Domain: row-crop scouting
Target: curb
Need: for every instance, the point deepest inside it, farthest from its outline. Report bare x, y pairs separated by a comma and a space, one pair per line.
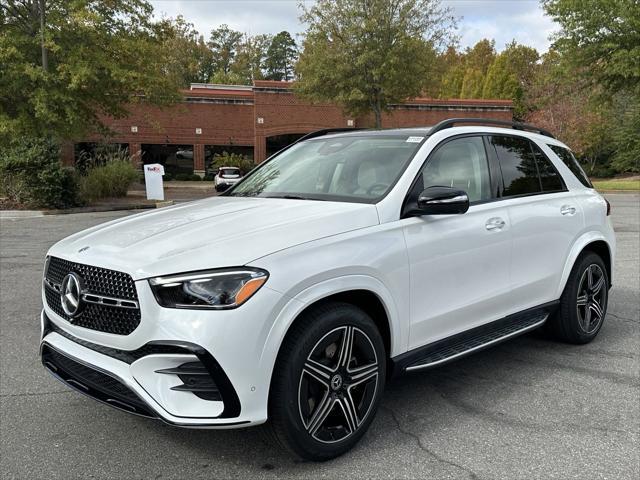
99, 208
7, 214
629, 192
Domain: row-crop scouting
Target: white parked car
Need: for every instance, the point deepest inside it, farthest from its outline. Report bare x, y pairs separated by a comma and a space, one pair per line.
226, 177
345, 259
188, 154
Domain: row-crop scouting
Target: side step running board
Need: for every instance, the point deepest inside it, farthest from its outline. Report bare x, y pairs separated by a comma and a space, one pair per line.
476, 339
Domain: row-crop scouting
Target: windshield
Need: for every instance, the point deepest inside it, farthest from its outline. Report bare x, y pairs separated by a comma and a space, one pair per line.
348, 169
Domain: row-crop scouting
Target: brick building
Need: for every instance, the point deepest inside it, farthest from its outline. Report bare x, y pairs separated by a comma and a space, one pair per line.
254, 120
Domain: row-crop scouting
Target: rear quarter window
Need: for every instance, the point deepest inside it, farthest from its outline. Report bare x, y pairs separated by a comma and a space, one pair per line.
572, 164
550, 179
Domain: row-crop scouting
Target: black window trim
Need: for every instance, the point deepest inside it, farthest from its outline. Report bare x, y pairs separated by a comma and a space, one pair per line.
523, 195
534, 145
495, 173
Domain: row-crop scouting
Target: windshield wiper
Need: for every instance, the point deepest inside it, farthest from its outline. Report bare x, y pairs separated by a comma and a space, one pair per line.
292, 197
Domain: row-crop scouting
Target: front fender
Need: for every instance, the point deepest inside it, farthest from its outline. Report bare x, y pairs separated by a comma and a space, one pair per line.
292, 306
305, 298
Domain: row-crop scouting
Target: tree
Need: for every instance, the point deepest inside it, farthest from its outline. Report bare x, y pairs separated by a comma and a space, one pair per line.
600, 41
626, 134
449, 84
188, 58
65, 64
510, 76
559, 102
602, 38
224, 43
281, 57
477, 62
368, 54
250, 59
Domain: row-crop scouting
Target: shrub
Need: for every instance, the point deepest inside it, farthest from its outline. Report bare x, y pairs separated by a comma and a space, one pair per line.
112, 179
31, 175
244, 163
102, 154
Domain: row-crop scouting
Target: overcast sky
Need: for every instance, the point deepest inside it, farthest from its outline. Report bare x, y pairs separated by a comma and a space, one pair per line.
502, 20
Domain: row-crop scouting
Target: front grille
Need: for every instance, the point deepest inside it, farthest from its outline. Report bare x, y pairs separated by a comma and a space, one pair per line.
97, 281
100, 281
92, 382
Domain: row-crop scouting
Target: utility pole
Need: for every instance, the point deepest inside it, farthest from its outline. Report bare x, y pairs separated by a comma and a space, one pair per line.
45, 54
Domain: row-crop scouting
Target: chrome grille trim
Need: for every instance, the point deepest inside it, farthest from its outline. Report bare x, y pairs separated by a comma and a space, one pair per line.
97, 299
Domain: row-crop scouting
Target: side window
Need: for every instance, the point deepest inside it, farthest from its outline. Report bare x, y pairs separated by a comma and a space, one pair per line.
549, 176
570, 161
518, 165
460, 163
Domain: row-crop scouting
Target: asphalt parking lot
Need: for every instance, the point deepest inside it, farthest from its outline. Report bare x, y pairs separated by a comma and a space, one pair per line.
526, 409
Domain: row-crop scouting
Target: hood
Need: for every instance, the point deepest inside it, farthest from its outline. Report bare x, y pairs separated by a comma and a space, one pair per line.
211, 233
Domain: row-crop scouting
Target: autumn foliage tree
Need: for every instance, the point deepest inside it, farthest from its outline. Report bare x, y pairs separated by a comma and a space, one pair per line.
599, 41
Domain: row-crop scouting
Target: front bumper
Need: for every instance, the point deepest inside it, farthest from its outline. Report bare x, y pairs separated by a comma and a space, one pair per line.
134, 381
143, 367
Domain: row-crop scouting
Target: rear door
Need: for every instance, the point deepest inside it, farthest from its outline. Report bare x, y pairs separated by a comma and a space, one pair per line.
545, 219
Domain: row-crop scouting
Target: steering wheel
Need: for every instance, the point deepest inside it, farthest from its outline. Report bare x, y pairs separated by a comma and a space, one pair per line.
377, 186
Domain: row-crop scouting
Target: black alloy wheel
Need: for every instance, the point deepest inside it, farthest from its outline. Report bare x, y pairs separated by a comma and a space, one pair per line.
327, 382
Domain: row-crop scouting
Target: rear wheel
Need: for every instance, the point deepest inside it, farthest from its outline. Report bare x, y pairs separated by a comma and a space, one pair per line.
327, 382
583, 304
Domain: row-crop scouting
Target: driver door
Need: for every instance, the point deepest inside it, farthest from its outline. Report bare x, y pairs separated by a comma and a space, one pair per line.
459, 264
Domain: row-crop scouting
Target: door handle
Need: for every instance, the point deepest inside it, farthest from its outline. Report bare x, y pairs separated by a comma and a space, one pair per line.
568, 210
494, 223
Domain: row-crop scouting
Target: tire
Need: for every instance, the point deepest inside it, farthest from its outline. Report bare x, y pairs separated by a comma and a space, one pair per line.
583, 305
316, 412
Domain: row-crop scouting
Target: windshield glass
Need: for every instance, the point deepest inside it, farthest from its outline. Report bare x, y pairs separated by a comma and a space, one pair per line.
348, 169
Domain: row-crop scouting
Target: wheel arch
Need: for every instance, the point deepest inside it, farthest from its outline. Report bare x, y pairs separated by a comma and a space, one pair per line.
601, 248
367, 301
590, 242
362, 291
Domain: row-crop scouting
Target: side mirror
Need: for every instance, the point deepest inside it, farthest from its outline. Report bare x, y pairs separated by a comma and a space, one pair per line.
442, 201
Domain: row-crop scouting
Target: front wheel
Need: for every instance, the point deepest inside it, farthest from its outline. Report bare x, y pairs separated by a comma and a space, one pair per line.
327, 382
583, 304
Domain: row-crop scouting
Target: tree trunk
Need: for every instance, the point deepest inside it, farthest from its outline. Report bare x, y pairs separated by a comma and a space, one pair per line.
377, 111
45, 53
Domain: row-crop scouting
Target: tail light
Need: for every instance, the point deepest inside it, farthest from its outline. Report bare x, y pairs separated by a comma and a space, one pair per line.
608, 207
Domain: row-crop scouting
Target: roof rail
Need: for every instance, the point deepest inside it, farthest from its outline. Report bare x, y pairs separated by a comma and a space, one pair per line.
326, 131
489, 121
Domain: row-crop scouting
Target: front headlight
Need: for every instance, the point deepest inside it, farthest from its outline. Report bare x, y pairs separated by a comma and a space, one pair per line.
213, 289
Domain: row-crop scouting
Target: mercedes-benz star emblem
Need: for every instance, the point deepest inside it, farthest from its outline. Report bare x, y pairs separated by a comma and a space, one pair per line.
336, 382
70, 294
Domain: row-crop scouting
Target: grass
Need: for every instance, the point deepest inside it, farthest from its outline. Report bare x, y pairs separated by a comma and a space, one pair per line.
623, 184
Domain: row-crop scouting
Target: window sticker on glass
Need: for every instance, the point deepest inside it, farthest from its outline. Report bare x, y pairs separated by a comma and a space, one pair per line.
414, 139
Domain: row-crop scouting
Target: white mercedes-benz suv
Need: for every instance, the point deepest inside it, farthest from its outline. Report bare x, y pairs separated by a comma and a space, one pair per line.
343, 260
